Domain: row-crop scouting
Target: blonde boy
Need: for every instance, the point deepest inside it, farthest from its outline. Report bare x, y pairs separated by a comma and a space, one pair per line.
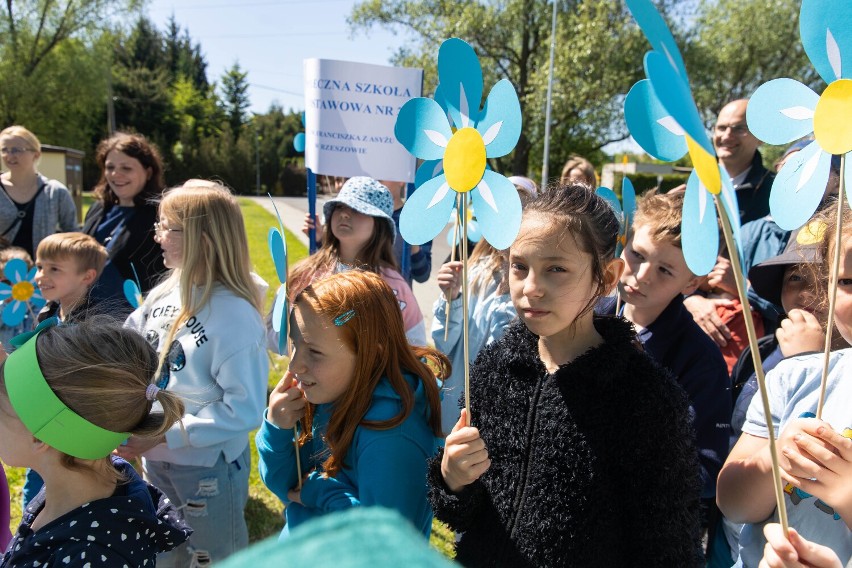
68, 266
652, 286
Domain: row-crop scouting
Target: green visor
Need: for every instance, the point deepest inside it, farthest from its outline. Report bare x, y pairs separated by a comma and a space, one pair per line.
46, 416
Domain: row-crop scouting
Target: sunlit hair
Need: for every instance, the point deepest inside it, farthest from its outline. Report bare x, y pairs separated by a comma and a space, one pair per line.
21, 132
86, 252
584, 167
574, 209
661, 213
215, 250
101, 371
9, 252
140, 149
827, 242
376, 254
376, 335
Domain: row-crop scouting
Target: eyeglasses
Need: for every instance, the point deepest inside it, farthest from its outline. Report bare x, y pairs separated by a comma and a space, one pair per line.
738, 130
14, 151
161, 231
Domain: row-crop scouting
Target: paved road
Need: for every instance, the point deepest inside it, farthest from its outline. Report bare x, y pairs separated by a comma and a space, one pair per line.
293, 211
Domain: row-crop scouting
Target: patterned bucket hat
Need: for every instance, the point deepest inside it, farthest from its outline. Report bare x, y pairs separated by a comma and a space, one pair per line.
364, 195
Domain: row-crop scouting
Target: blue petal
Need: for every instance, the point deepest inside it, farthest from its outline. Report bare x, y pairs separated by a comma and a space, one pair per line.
131, 293
416, 117
14, 313
628, 200
699, 228
499, 227
728, 197
419, 223
611, 198
473, 233
500, 120
826, 28
427, 171
279, 254
781, 111
650, 124
657, 31
5, 290
280, 313
299, 142
674, 94
799, 187
16, 270
441, 100
31, 274
460, 77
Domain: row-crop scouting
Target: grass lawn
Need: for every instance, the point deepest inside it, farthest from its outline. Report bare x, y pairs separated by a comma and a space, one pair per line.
264, 510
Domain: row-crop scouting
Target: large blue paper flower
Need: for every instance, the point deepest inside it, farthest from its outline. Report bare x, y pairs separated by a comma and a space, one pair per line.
280, 311
22, 290
663, 119
423, 128
784, 110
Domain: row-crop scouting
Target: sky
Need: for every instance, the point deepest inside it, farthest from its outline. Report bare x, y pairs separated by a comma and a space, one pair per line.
271, 38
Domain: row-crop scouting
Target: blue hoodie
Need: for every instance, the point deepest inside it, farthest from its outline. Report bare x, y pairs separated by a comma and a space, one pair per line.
382, 467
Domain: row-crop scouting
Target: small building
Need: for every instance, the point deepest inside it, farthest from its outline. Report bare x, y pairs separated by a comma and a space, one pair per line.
65, 165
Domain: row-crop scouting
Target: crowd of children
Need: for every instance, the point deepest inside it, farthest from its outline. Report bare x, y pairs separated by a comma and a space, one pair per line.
598, 429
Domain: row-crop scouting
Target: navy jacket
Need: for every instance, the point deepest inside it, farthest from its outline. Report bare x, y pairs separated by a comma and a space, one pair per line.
753, 193
676, 342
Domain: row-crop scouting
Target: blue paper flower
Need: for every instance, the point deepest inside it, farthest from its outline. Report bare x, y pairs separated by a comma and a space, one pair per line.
132, 293
663, 118
624, 210
280, 311
473, 232
423, 128
784, 110
21, 293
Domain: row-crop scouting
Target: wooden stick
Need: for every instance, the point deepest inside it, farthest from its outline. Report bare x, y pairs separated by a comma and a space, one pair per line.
452, 259
756, 360
465, 340
832, 288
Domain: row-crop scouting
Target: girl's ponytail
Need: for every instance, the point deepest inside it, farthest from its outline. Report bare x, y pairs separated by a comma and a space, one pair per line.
156, 424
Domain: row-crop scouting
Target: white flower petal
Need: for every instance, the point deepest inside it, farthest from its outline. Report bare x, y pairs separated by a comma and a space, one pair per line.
670, 124
798, 112
439, 195
492, 133
833, 52
702, 202
436, 137
808, 170
487, 196
463, 109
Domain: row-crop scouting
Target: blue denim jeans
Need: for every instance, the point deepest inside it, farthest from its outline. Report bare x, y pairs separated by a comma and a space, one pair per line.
212, 500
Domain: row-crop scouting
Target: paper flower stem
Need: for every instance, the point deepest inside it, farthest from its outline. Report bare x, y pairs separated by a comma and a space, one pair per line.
296, 433
465, 336
832, 287
756, 359
452, 259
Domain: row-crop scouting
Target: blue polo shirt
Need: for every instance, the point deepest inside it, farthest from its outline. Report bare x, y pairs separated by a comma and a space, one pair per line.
676, 342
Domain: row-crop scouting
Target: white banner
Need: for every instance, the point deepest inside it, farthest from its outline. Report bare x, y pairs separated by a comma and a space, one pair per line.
350, 112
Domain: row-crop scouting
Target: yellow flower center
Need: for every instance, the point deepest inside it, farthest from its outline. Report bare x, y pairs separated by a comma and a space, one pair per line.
832, 129
464, 159
22, 291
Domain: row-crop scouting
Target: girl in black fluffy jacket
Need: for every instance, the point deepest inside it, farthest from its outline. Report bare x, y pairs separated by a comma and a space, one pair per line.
579, 450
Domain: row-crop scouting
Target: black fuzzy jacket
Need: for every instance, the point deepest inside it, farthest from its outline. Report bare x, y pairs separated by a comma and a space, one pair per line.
593, 465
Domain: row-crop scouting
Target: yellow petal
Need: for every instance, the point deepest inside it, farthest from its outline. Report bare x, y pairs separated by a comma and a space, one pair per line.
705, 166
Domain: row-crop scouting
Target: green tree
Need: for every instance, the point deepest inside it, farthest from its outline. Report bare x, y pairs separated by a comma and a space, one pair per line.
599, 55
235, 100
734, 46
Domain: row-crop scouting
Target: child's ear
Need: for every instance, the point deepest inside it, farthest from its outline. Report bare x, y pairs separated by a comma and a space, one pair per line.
90, 276
612, 273
692, 285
